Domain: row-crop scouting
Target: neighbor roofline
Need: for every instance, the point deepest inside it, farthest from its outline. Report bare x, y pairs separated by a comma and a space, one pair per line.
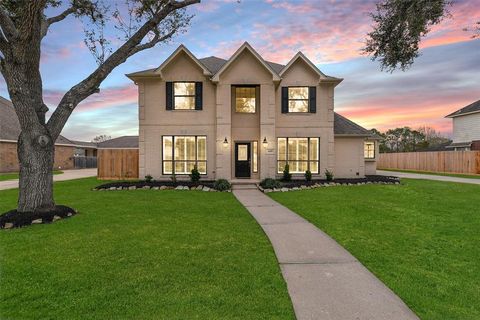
245, 46
453, 115
352, 135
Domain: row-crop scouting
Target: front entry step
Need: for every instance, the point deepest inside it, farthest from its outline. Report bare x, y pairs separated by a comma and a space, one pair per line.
243, 186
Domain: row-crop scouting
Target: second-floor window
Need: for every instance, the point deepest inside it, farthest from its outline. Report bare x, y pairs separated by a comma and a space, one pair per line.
299, 99
369, 150
245, 99
184, 95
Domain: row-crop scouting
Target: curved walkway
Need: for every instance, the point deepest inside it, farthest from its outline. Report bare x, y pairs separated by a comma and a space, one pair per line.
323, 279
427, 177
66, 175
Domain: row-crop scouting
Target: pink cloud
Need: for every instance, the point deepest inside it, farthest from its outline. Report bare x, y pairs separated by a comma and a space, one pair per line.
336, 31
108, 97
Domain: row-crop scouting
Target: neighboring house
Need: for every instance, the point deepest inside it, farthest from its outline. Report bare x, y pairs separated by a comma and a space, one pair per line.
68, 153
245, 118
466, 127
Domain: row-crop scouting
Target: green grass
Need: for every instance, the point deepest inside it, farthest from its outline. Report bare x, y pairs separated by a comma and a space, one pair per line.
14, 175
446, 174
140, 255
422, 238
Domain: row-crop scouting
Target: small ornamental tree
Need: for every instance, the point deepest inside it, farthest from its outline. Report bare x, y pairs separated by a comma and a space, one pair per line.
287, 176
24, 25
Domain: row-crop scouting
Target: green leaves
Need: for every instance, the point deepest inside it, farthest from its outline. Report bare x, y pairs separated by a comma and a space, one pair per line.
399, 26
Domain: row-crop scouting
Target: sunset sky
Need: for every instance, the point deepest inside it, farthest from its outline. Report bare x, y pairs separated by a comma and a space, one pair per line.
331, 33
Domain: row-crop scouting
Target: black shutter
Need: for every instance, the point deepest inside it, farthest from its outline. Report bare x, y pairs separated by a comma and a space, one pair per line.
312, 99
284, 99
198, 95
169, 95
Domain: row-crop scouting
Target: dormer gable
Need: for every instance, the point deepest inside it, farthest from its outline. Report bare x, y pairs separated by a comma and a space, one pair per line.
323, 78
248, 47
182, 49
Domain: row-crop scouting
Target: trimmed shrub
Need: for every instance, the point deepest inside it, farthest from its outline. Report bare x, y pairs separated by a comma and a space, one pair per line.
222, 185
287, 176
195, 174
308, 175
328, 175
269, 183
148, 178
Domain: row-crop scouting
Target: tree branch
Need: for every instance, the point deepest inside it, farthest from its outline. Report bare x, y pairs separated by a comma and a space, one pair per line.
62, 15
10, 32
91, 84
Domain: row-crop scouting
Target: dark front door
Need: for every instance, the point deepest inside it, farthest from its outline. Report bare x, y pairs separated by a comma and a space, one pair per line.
242, 160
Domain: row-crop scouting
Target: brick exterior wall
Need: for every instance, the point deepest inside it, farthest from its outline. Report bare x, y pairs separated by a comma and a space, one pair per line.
9, 159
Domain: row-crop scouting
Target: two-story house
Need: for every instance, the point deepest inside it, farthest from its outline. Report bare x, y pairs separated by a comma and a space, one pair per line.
466, 127
245, 118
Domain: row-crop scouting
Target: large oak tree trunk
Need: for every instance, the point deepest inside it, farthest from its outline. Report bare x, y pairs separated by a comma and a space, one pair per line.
36, 156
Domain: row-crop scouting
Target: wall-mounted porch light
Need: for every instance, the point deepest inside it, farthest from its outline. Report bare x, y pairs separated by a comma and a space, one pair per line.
265, 142
225, 142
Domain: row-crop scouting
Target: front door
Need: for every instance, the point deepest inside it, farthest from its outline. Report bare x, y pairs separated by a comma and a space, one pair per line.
242, 160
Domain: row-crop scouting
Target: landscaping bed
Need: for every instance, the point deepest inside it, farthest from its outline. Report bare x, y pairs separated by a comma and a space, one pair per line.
277, 185
15, 219
209, 185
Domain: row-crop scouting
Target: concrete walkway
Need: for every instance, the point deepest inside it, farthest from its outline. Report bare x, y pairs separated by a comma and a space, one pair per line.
427, 177
324, 280
66, 175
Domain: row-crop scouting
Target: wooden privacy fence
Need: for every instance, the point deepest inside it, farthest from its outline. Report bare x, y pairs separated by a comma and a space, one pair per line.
116, 164
438, 161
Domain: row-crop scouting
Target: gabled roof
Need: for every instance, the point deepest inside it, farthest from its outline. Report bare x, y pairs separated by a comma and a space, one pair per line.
345, 127
243, 47
183, 49
323, 77
155, 72
471, 108
124, 142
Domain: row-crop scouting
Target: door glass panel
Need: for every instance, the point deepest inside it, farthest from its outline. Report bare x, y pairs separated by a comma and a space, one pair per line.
242, 152
255, 156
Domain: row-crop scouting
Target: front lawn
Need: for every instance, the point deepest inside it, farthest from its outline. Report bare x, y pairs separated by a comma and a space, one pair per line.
422, 238
141, 254
15, 175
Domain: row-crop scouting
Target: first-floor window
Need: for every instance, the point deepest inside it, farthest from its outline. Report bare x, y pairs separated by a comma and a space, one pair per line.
182, 153
255, 156
369, 150
301, 154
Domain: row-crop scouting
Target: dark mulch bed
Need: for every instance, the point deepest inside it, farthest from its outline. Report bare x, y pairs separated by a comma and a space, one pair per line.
371, 179
15, 219
143, 183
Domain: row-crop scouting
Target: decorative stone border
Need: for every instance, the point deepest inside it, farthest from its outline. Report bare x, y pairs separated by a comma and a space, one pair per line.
179, 187
13, 219
391, 181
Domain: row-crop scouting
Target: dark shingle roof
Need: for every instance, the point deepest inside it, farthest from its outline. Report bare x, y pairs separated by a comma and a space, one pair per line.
120, 142
213, 63
473, 107
10, 127
277, 67
344, 126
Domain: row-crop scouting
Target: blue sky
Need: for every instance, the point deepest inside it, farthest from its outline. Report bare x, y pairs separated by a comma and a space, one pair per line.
331, 33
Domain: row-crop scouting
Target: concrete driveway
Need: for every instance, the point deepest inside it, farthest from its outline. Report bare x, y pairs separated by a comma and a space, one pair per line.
66, 175
427, 177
